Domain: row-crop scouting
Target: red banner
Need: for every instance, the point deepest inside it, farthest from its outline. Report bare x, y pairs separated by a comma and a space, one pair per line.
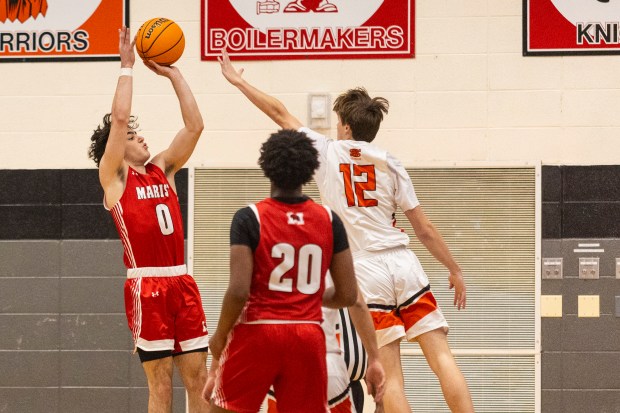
566, 27
53, 30
308, 29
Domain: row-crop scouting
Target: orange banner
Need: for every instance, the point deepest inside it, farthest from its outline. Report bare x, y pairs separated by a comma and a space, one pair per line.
53, 30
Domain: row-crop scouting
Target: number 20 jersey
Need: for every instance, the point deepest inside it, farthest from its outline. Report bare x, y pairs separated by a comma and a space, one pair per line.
364, 185
291, 259
149, 222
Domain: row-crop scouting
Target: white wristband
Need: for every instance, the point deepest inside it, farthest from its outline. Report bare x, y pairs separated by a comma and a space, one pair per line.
126, 71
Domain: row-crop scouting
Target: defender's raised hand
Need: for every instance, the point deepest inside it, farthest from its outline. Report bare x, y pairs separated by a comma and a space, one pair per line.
230, 73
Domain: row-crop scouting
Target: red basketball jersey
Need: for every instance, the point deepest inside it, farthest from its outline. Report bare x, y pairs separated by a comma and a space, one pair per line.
294, 251
148, 220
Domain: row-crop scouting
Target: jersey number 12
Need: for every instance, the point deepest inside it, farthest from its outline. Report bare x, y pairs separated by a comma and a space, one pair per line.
354, 191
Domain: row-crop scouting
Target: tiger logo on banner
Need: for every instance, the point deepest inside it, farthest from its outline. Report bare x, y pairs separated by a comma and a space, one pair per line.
569, 27
302, 29
21, 10
53, 30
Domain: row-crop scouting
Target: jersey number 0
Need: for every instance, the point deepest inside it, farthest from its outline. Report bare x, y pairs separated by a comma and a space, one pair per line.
309, 260
164, 218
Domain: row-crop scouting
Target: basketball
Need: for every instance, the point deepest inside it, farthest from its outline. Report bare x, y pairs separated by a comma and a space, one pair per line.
160, 40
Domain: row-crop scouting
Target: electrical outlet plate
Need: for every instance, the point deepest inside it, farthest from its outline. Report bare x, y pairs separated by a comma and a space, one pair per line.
319, 111
552, 269
589, 268
588, 306
551, 306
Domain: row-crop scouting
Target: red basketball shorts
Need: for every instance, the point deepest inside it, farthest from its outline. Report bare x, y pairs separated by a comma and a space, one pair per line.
291, 357
338, 391
165, 313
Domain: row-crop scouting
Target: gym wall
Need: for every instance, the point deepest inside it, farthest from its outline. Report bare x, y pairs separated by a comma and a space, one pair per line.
469, 95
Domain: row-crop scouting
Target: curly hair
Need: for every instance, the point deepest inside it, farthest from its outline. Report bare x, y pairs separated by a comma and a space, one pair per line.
362, 113
99, 139
288, 158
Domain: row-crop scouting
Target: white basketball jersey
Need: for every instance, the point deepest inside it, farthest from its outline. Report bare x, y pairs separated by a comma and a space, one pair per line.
364, 185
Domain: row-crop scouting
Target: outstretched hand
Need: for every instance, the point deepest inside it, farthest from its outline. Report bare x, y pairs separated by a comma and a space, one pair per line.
230, 73
125, 47
166, 71
460, 291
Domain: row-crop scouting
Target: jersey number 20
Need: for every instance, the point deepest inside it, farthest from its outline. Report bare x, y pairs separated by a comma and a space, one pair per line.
355, 190
309, 260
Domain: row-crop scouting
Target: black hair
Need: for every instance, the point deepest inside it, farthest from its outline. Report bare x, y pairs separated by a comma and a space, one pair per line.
99, 139
288, 158
362, 113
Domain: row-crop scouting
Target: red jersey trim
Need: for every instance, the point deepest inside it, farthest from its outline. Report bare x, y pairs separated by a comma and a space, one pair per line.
117, 212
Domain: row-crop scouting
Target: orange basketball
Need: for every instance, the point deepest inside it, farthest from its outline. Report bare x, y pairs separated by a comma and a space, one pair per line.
160, 40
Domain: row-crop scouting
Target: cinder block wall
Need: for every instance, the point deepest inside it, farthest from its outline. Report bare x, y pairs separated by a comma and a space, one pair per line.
469, 95
64, 343
581, 355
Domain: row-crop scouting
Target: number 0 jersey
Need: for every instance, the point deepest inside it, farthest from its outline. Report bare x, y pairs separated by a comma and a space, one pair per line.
149, 222
364, 185
293, 244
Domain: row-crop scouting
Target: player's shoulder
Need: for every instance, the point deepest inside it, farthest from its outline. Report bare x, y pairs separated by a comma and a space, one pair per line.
246, 213
314, 135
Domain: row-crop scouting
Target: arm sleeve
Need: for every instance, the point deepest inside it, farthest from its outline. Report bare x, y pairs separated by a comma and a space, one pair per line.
245, 229
321, 143
341, 242
404, 195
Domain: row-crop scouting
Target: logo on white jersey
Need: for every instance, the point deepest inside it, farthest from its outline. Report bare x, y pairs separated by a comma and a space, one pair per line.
355, 153
295, 218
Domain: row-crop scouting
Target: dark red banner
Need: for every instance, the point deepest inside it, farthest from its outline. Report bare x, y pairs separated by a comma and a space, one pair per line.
567, 27
308, 29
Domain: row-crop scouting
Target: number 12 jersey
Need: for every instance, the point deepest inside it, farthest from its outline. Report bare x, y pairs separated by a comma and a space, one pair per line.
364, 185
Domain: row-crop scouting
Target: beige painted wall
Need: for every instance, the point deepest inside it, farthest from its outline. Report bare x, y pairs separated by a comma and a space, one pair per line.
469, 95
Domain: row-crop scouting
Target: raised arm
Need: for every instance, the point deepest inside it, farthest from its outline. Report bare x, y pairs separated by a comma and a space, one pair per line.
183, 144
362, 321
269, 105
430, 237
112, 164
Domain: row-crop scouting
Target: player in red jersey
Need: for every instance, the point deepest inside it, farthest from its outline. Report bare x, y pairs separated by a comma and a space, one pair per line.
163, 305
269, 331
